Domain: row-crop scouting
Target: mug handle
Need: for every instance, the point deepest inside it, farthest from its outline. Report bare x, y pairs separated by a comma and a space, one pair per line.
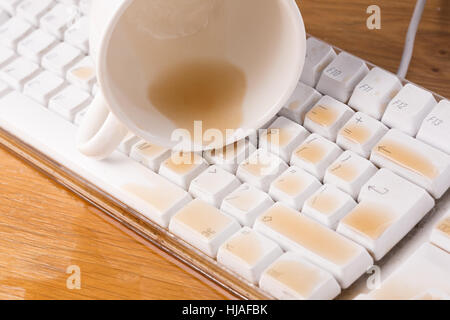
100, 132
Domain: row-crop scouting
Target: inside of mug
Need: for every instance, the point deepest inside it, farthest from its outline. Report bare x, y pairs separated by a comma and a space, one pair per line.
229, 63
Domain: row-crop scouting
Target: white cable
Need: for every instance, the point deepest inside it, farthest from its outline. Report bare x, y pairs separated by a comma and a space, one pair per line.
410, 38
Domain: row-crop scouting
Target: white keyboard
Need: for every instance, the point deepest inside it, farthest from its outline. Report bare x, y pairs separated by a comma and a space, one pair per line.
362, 160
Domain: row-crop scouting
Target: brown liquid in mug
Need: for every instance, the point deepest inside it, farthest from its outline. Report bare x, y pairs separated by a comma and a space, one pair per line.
206, 90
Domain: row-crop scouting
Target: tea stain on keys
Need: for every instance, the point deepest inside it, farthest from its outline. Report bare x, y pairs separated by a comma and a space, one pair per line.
309, 234
211, 91
370, 220
151, 150
84, 73
407, 158
278, 137
257, 169
355, 133
158, 197
311, 152
246, 246
290, 184
324, 203
444, 226
296, 276
202, 218
182, 162
245, 201
344, 171
322, 115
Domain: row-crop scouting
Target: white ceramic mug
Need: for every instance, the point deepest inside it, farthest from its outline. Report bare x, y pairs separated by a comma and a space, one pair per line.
133, 41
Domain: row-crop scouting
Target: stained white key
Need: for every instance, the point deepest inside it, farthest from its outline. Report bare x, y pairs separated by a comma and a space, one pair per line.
78, 34
229, 157
260, 169
61, 58
183, 167
435, 129
327, 117
440, 236
408, 108
213, 185
343, 258
248, 253
83, 74
32, 10
423, 275
35, 45
318, 56
389, 207
282, 137
127, 143
414, 160
350, 172
150, 155
315, 155
43, 87
246, 203
59, 18
374, 92
10, 5
203, 226
18, 72
68, 102
303, 99
328, 205
293, 187
6, 56
360, 134
12, 31
340, 77
291, 277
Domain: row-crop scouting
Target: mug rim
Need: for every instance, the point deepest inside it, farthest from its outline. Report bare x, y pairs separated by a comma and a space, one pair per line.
114, 107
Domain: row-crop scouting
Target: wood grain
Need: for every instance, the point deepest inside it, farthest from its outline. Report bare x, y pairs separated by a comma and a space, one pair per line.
44, 228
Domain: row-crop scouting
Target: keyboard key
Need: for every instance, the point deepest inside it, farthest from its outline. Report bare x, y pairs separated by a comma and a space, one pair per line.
291, 277
374, 92
408, 108
229, 157
293, 187
435, 129
248, 253
10, 5
18, 72
414, 160
150, 155
261, 169
341, 76
440, 236
327, 117
246, 203
349, 173
13, 31
315, 155
78, 34
328, 205
6, 56
183, 167
282, 137
213, 185
425, 272
83, 74
360, 134
43, 87
303, 99
318, 56
203, 226
389, 207
61, 58
69, 102
58, 19
343, 258
142, 190
127, 143
35, 45
32, 10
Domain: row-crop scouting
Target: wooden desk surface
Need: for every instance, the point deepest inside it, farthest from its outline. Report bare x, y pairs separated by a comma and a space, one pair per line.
44, 228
